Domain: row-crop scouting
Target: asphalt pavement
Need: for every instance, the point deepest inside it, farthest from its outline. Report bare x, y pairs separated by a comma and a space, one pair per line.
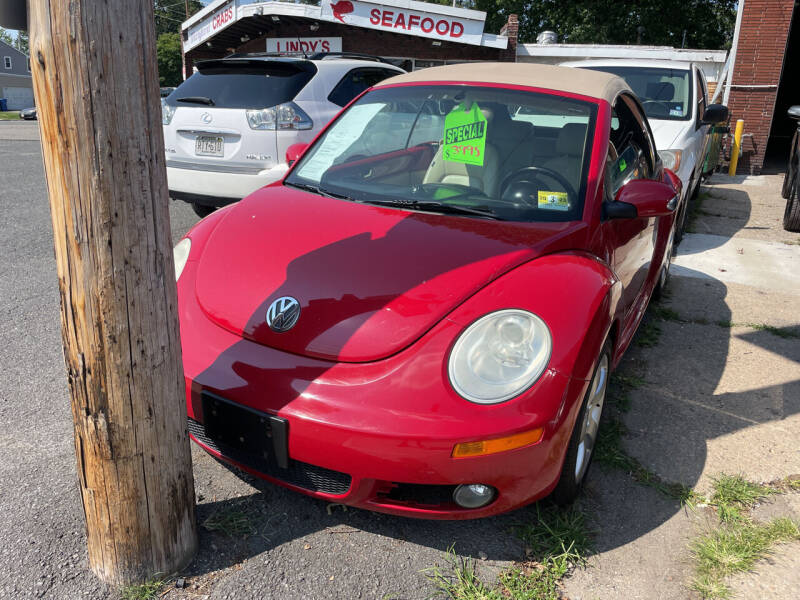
734, 406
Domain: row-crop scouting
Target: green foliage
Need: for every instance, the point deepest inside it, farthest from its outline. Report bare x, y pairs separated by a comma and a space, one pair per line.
145, 591
170, 62
555, 543
707, 23
648, 334
169, 14
233, 521
6, 37
732, 493
735, 548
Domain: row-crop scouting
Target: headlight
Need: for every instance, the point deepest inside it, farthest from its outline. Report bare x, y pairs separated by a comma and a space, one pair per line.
671, 159
181, 254
499, 356
167, 112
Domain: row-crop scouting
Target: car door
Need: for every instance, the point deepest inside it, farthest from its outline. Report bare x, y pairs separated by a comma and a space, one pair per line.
700, 142
631, 156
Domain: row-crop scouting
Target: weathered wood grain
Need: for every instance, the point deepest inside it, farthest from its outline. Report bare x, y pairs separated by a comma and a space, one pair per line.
96, 85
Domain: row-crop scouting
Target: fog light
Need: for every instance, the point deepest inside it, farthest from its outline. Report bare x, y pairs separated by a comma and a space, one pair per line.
473, 495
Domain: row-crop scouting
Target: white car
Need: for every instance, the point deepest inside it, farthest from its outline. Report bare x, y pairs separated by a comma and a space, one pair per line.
674, 96
227, 127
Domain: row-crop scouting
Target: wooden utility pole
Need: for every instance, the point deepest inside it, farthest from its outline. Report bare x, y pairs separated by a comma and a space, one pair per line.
96, 84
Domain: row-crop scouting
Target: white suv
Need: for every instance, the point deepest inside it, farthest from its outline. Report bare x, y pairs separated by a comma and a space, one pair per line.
227, 127
674, 96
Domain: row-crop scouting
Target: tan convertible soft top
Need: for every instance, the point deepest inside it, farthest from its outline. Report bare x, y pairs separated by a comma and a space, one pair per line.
564, 79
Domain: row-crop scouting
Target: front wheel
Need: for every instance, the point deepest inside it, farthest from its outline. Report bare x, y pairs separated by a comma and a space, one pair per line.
584, 434
791, 216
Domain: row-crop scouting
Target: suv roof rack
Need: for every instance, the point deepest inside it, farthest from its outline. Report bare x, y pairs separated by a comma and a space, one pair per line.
324, 55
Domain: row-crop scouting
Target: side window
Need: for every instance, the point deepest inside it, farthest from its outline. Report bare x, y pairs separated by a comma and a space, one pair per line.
701, 97
631, 153
355, 82
7, 62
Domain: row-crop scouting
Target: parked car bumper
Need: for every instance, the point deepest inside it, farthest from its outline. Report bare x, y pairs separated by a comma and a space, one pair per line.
217, 188
378, 435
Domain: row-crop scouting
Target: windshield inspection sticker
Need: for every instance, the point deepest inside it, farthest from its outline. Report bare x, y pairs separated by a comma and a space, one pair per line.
465, 135
553, 200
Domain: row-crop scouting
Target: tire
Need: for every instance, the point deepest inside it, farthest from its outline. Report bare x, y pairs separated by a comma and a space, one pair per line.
680, 224
201, 210
789, 180
791, 216
584, 434
663, 278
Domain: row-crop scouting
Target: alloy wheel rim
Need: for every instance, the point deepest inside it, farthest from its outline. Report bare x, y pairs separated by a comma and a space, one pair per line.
591, 418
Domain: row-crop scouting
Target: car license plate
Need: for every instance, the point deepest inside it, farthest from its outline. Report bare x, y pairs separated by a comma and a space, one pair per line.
246, 430
208, 145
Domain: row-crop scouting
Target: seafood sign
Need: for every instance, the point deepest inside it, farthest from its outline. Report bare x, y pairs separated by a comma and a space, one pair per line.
341, 8
412, 18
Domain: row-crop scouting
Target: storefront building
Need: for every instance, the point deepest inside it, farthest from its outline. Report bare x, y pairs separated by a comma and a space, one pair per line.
411, 34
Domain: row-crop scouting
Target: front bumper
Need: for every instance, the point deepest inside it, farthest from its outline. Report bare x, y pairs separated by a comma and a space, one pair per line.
378, 435
217, 188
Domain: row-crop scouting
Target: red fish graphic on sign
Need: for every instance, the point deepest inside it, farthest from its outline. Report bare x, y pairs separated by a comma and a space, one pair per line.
341, 8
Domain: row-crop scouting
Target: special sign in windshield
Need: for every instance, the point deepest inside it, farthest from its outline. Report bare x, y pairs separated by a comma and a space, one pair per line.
465, 135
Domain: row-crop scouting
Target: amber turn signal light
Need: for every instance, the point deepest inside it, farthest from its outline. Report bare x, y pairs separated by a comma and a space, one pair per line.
518, 440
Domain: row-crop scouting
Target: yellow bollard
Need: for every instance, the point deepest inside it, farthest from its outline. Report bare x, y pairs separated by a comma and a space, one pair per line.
737, 147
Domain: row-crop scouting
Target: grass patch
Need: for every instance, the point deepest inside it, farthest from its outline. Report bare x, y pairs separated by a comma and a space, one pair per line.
792, 242
648, 335
148, 590
9, 115
735, 548
781, 332
233, 521
664, 313
609, 453
557, 542
732, 493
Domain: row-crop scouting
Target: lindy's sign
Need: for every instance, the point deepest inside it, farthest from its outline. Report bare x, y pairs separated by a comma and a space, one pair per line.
310, 45
409, 17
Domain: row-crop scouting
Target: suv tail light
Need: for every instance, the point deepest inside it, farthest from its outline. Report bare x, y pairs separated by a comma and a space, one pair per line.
167, 112
283, 116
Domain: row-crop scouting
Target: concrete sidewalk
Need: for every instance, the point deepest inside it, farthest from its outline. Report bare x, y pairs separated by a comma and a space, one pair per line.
721, 395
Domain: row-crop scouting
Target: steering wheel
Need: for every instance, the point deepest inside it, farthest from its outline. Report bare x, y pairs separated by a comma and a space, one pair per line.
532, 174
655, 108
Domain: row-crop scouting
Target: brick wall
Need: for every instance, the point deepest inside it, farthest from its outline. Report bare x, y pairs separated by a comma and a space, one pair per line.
759, 61
367, 41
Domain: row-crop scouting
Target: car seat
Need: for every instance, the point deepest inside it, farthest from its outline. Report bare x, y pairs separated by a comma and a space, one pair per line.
569, 152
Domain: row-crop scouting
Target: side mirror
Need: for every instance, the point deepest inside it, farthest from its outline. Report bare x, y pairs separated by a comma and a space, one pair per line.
643, 198
794, 112
294, 152
715, 113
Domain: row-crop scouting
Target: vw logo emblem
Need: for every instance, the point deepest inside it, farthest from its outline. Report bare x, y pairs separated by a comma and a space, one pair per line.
282, 314
206, 117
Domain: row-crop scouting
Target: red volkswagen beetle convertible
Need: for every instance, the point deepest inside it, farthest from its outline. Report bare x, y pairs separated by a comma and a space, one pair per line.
421, 318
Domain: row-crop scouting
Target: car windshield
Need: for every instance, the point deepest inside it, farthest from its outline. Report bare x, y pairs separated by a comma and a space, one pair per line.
664, 93
470, 150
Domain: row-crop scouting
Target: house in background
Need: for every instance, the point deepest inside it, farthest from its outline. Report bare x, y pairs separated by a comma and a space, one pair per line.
16, 85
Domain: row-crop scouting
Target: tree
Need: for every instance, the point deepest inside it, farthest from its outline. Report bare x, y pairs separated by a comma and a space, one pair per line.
6, 37
707, 23
21, 42
170, 63
169, 14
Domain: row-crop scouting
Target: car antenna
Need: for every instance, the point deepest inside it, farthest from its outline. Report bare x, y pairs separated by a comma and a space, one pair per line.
300, 45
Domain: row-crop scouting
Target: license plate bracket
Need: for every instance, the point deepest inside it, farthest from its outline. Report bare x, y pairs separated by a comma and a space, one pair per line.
257, 433
209, 145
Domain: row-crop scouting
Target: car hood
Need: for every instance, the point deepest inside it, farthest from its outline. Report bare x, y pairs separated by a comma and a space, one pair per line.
370, 280
666, 132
